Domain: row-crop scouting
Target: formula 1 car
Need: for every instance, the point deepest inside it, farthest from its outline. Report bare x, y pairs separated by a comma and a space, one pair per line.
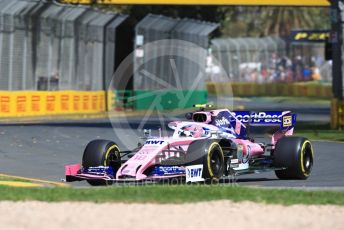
211, 145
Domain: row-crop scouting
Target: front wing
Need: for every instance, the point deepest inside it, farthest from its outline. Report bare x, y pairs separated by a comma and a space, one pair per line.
106, 173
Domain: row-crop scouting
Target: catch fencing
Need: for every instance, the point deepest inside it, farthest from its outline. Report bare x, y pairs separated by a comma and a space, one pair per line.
170, 73
268, 59
244, 58
44, 46
168, 64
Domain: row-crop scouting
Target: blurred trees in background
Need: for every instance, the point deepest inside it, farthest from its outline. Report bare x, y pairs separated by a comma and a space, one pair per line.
279, 21
237, 21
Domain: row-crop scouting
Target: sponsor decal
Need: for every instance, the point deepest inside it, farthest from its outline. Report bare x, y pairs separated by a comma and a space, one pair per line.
21, 104
50, 106
94, 102
139, 157
240, 151
65, 102
35, 103
154, 142
5, 102
194, 173
76, 103
86, 102
222, 121
167, 170
287, 121
271, 117
309, 36
234, 161
247, 155
99, 170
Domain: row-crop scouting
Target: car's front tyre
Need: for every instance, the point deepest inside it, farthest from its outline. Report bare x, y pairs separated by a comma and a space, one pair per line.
210, 154
101, 153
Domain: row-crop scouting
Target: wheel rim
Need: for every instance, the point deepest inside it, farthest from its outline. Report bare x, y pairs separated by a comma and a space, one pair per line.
112, 158
215, 162
307, 158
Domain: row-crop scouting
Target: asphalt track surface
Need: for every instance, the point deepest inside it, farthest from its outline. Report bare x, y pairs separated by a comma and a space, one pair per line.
42, 150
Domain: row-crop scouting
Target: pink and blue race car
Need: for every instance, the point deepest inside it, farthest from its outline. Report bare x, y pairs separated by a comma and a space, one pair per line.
209, 146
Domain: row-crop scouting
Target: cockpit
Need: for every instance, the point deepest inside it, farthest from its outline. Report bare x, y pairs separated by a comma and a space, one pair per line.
189, 130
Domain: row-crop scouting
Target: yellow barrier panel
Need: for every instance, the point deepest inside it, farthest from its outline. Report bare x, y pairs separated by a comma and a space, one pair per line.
337, 114
111, 100
38, 103
77, 1
5, 105
247, 89
216, 2
272, 89
334, 114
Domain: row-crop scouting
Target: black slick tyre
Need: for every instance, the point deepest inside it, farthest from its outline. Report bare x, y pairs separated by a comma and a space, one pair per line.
296, 155
213, 164
101, 153
210, 154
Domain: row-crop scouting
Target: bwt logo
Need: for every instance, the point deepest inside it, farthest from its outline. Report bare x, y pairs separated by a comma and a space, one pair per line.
222, 121
154, 142
195, 172
258, 117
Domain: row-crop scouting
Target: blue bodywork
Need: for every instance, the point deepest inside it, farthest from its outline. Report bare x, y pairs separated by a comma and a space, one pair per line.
227, 121
167, 170
99, 171
156, 171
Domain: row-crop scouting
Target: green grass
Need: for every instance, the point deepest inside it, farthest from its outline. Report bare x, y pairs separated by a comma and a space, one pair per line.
301, 100
333, 135
173, 194
4, 178
318, 132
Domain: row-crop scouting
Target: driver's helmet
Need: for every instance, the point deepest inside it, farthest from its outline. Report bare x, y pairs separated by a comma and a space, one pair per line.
192, 131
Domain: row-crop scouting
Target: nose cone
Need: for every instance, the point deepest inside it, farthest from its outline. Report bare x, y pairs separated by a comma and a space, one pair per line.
144, 158
131, 171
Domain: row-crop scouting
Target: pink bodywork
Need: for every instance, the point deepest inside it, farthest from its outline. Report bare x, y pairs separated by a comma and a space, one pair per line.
151, 154
279, 134
71, 170
254, 148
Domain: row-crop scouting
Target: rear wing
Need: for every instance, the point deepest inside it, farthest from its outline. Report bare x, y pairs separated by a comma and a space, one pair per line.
285, 119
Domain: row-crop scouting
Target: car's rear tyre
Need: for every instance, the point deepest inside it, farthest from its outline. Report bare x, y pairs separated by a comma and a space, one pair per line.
296, 155
101, 153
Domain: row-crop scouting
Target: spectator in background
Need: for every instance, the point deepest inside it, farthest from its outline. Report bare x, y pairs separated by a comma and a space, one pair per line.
282, 74
316, 74
244, 74
281, 70
307, 74
298, 68
254, 75
289, 74
264, 73
273, 62
317, 60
